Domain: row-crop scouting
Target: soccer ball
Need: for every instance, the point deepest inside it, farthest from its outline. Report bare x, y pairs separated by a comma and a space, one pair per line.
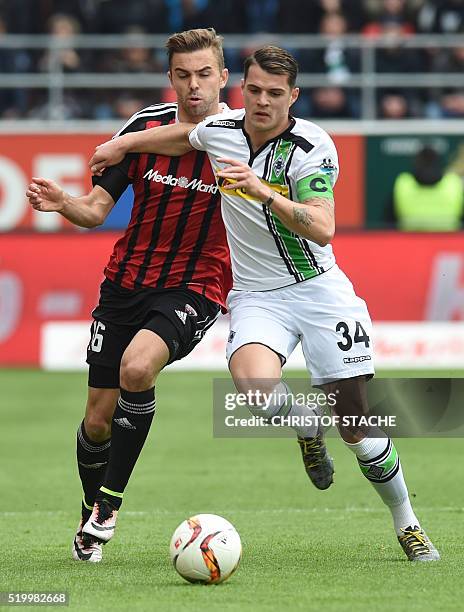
205, 548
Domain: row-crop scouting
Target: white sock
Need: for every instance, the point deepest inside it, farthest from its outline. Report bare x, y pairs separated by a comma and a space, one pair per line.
379, 462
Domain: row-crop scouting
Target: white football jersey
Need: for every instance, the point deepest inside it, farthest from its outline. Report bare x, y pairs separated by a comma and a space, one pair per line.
299, 163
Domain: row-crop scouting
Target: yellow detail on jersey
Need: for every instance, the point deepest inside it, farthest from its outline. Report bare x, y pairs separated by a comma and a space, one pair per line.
281, 189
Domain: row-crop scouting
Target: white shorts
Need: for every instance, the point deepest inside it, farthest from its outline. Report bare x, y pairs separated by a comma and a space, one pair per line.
324, 313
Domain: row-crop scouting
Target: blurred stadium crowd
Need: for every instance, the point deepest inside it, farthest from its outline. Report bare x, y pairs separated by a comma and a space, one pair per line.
393, 19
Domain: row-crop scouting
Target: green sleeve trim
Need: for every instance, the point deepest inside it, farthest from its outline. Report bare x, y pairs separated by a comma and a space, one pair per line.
316, 185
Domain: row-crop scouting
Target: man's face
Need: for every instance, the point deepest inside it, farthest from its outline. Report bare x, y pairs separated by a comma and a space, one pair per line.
267, 98
197, 80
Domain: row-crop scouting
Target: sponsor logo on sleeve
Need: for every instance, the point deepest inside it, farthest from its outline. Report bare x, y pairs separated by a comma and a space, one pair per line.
327, 166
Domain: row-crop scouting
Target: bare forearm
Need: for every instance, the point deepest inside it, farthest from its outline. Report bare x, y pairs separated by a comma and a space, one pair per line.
87, 211
167, 140
78, 211
313, 220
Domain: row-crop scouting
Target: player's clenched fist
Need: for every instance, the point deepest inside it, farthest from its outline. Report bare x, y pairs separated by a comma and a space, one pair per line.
45, 195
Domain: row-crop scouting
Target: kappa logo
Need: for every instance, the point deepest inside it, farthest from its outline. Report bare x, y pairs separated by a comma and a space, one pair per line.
278, 166
357, 359
182, 181
222, 123
182, 315
231, 336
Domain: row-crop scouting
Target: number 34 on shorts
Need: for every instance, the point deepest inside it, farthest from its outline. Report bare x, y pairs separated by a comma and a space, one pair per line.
359, 335
354, 339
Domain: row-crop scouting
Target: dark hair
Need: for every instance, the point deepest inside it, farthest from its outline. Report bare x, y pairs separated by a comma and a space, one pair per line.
195, 40
274, 60
428, 167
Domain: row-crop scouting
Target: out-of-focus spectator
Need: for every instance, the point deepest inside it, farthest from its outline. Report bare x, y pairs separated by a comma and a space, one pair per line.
115, 16
395, 57
83, 10
390, 12
72, 106
441, 16
450, 105
187, 14
449, 60
127, 105
397, 105
131, 57
66, 58
297, 17
225, 16
353, 11
13, 102
336, 60
300, 17
443, 103
427, 199
331, 103
23, 16
261, 15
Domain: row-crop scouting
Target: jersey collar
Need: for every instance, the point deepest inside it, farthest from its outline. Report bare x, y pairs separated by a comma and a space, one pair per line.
286, 134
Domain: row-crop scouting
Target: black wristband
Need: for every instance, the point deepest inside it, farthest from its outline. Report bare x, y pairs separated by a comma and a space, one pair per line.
270, 200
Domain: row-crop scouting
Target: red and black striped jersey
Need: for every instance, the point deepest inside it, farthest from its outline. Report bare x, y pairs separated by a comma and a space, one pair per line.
175, 236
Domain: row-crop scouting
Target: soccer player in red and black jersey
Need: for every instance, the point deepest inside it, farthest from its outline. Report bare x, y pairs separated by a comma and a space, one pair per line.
165, 282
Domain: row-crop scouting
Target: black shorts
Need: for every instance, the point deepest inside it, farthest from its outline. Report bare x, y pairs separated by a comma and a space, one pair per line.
179, 316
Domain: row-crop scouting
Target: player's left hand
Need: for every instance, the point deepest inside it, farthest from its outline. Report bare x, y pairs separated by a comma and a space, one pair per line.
107, 154
241, 176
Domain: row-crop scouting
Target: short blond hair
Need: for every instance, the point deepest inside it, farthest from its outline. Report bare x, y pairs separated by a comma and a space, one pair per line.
195, 40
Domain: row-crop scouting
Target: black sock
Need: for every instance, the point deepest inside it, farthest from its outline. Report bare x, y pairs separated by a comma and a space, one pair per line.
92, 459
131, 424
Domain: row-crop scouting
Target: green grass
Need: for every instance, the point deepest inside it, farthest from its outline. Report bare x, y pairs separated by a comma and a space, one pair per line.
303, 549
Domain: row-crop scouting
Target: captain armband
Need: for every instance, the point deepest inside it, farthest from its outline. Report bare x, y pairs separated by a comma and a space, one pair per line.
316, 185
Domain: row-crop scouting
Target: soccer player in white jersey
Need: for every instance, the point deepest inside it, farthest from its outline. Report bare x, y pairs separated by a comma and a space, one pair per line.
276, 175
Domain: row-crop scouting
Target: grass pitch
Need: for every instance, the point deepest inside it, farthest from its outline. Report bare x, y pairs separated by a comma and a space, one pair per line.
303, 549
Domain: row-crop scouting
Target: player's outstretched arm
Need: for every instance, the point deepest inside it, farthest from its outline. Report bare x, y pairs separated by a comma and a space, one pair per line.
172, 140
85, 211
313, 219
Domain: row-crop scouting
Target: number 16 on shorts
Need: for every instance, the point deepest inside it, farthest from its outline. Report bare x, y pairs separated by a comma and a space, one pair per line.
96, 341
